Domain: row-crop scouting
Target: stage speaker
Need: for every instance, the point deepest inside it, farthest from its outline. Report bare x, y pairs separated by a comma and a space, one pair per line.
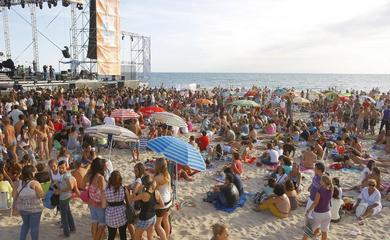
123, 78
65, 52
65, 3
113, 77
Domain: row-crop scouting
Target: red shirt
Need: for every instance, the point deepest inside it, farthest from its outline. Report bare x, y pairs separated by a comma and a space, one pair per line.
203, 142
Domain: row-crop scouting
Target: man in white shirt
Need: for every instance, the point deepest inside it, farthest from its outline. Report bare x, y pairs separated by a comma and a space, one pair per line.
108, 120
270, 156
14, 114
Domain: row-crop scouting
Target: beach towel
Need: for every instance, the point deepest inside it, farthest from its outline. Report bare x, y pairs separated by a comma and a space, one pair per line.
221, 207
250, 160
350, 170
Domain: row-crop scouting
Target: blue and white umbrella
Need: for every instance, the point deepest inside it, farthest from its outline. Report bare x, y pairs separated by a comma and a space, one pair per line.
178, 151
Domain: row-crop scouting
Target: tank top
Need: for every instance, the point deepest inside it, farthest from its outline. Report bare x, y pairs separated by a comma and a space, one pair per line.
27, 199
56, 177
148, 208
64, 185
165, 193
95, 195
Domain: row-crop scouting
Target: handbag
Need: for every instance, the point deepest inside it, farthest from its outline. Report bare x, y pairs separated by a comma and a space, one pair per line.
84, 196
131, 215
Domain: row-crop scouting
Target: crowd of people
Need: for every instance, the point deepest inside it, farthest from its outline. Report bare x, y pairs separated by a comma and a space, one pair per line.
39, 124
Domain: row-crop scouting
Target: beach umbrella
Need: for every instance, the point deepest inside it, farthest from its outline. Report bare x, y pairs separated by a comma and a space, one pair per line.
178, 151
114, 133
292, 94
370, 99
170, 119
346, 94
280, 91
147, 111
344, 98
245, 103
124, 114
250, 93
204, 101
300, 100
331, 96
314, 94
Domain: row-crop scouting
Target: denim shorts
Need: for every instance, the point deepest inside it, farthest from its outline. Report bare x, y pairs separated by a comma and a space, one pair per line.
98, 215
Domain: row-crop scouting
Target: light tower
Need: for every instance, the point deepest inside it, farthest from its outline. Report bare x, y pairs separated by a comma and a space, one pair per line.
34, 35
7, 40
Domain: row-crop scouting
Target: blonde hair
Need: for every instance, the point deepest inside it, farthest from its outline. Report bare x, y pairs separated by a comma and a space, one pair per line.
217, 230
327, 181
161, 167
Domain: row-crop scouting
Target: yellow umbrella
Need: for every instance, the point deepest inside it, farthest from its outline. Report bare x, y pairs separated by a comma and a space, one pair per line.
300, 100
203, 101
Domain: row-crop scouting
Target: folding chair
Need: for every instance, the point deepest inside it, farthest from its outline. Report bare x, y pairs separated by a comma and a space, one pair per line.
4, 203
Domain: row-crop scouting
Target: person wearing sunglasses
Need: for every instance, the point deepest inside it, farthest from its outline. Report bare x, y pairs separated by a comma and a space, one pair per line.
369, 202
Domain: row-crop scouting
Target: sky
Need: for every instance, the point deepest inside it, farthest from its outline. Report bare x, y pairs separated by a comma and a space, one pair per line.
270, 36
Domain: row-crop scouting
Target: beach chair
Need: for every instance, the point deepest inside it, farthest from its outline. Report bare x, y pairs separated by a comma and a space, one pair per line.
4, 203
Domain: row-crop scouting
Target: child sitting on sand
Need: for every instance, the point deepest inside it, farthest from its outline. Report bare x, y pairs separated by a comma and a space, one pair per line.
267, 191
336, 204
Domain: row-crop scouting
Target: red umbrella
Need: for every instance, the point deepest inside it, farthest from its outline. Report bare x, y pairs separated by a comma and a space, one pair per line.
147, 111
344, 98
124, 114
250, 93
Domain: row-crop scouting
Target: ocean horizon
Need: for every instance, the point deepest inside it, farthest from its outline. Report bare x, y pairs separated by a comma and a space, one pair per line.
299, 81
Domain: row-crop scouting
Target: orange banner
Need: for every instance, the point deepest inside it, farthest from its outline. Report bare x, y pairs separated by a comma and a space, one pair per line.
108, 37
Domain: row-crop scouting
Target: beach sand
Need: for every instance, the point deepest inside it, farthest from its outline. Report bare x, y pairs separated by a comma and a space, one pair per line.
194, 219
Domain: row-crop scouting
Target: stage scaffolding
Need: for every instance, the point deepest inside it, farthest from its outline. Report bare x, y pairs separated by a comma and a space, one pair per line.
136, 49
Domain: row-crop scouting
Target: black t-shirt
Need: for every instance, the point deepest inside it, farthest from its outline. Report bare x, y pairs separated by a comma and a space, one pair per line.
231, 194
288, 149
238, 183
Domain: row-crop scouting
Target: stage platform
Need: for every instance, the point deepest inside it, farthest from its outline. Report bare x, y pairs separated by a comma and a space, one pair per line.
6, 86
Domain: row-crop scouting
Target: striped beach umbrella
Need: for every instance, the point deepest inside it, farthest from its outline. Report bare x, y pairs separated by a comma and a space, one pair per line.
178, 151
114, 133
124, 114
170, 119
119, 134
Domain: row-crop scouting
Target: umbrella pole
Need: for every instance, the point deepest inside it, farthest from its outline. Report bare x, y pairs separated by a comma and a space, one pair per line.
110, 149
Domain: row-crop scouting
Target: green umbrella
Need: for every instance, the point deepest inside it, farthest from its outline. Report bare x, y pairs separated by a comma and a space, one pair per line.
245, 103
331, 96
346, 94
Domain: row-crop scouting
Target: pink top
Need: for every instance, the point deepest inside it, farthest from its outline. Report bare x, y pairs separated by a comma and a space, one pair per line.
95, 196
237, 167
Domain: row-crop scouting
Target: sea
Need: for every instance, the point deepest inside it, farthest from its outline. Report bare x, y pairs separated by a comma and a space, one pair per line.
299, 81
